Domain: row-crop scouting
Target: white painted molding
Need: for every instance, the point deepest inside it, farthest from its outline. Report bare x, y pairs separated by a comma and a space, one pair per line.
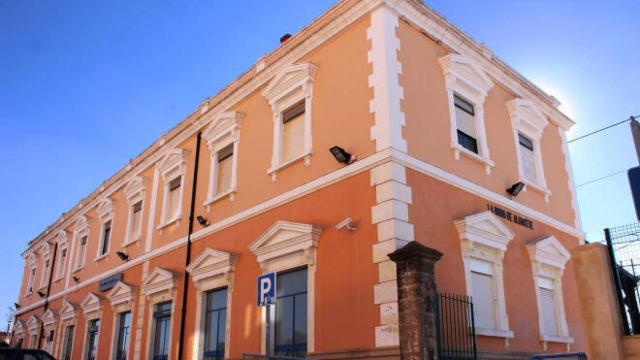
68, 311
135, 187
105, 209
91, 304
121, 293
32, 324
49, 318
158, 281
211, 264
223, 131
18, 328
484, 228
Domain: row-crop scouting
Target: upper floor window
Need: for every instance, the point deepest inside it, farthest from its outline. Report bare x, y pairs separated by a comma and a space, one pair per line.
45, 252
223, 136
134, 193
61, 266
466, 124
467, 88
172, 169
106, 237
290, 96
528, 124
81, 237
32, 276
105, 212
484, 242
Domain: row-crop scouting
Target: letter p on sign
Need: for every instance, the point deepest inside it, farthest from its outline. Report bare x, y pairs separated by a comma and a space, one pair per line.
267, 289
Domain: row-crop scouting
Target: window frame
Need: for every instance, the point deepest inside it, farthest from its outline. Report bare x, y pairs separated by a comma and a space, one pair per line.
291, 86
158, 287
134, 193
45, 253
61, 261
171, 167
466, 79
479, 249
31, 266
92, 310
223, 131
273, 309
81, 232
121, 297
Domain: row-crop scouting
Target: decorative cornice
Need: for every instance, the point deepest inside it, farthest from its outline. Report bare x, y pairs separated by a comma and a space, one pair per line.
159, 280
68, 310
212, 263
121, 293
484, 228
549, 251
91, 303
283, 238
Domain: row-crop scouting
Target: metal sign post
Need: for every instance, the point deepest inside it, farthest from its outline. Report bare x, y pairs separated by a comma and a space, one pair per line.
266, 298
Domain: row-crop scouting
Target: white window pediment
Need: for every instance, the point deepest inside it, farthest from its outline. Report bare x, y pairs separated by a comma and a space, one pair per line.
290, 78
485, 229
32, 324
18, 328
105, 208
68, 310
61, 238
45, 249
135, 187
464, 74
223, 131
212, 266
158, 282
121, 293
172, 163
221, 126
49, 318
286, 245
549, 251
91, 304
82, 223
30, 259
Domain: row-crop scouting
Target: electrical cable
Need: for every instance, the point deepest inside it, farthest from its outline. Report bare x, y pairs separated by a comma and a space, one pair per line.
602, 129
601, 178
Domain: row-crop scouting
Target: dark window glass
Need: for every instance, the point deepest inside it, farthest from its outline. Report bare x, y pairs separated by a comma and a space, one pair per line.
162, 317
19, 343
467, 142
215, 324
463, 105
525, 141
68, 343
175, 183
225, 152
83, 241
137, 206
291, 314
124, 325
92, 339
293, 112
106, 233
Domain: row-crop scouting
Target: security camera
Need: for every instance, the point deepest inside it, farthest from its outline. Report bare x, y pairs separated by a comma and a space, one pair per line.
346, 224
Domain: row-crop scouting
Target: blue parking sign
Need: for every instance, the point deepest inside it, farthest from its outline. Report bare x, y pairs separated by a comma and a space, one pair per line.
267, 289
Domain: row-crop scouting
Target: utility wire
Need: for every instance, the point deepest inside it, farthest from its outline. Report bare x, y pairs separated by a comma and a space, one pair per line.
601, 178
604, 128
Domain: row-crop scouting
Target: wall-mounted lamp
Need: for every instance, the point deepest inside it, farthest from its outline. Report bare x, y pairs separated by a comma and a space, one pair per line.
122, 256
202, 221
515, 189
75, 278
342, 155
41, 294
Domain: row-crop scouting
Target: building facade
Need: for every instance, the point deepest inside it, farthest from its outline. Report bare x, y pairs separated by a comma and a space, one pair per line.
247, 185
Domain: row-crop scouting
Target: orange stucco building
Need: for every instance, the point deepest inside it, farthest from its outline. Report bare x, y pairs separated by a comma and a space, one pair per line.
440, 128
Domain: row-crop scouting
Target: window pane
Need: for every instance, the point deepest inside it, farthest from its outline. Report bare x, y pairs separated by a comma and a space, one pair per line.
483, 307
292, 282
68, 343
223, 174
463, 104
527, 158
284, 325
291, 314
465, 122
467, 142
292, 134
106, 234
124, 325
175, 183
293, 111
174, 202
548, 308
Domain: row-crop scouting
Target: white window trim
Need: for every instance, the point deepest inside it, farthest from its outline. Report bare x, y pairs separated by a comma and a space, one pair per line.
62, 333
171, 167
33, 325
61, 263
467, 79
485, 238
105, 214
31, 264
211, 270
18, 328
92, 310
45, 253
159, 286
288, 245
293, 84
81, 230
134, 192
122, 298
223, 131
49, 322
548, 259
528, 119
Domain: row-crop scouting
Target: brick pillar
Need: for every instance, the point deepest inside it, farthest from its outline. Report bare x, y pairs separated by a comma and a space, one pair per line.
416, 297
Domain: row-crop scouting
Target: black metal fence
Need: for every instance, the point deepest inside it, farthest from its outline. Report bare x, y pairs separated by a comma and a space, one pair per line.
574, 356
623, 243
455, 327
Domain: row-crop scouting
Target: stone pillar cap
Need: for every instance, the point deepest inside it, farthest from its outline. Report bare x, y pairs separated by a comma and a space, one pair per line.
415, 250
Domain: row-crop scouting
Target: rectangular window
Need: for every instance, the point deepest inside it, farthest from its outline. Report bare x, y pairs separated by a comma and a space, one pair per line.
465, 121
136, 220
62, 263
106, 234
293, 131
291, 314
173, 201
68, 343
162, 321
82, 251
482, 296
215, 324
527, 158
45, 273
224, 169
32, 276
122, 344
548, 309
33, 343
92, 339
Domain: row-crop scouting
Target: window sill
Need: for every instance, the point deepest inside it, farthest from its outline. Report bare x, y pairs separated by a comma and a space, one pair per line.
495, 333
488, 163
275, 168
169, 222
77, 269
557, 339
101, 257
537, 187
58, 279
230, 193
128, 243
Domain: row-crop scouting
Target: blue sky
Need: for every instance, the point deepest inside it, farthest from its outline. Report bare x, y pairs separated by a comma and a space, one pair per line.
85, 86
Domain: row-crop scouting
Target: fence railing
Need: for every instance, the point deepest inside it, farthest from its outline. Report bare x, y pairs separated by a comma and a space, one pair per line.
573, 355
455, 327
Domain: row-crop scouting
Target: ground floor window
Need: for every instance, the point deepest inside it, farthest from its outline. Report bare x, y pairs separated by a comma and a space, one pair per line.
33, 341
19, 343
68, 342
291, 314
92, 339
215, 324
483, 304
122, 344
162, 319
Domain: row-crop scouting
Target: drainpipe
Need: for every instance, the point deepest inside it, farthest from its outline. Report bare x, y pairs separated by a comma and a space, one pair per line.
185, 286
46, 297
